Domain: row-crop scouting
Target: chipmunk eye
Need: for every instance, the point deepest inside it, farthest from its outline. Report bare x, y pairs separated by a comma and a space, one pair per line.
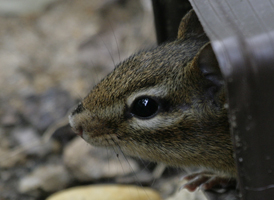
144, 107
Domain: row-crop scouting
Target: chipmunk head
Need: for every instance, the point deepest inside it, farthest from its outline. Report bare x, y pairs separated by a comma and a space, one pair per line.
164, 104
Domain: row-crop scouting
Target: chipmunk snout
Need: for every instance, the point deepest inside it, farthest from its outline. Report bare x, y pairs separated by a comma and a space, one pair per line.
76, 127
74, 121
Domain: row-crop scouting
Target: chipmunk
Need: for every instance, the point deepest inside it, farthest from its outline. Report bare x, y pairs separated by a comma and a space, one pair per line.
166, 104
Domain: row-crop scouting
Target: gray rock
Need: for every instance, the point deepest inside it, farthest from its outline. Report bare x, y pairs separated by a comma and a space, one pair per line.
23, 7
48, 178
43, 110
142, 177
29, 142
10, 158
9, 118
184, 194
88, 163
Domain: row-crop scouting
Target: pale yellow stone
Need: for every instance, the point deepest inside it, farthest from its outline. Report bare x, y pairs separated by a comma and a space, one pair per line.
106, 192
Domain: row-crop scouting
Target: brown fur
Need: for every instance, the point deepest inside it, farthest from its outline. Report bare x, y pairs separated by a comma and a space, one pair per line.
192, 129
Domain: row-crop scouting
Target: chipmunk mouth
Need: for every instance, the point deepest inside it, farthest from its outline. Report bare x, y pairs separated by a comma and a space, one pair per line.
78, 130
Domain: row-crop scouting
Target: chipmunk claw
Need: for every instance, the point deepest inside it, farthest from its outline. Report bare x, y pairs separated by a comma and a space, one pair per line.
207, 181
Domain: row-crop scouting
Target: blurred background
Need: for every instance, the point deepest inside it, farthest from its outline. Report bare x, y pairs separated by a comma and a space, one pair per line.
52, 52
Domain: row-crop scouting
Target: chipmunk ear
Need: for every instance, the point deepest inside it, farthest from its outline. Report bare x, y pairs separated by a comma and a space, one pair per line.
190, 26
209, 66
207, 63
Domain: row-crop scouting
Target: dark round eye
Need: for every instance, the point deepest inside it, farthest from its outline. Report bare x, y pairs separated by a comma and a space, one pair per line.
144, 107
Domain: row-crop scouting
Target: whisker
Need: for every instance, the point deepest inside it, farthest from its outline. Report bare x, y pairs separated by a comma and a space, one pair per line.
120, 150
115, 38
111, 56
118, 154
108, 156
135, 176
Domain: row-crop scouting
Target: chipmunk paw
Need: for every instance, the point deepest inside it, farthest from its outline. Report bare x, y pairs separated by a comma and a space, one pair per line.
208, 181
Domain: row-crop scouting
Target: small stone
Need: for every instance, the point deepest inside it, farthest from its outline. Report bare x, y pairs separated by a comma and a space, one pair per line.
184, 194
47, 108
92, 163
31, 144
106, 192
10, 158
23, 7
143, 177
49, 178
10, 118
5, 142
